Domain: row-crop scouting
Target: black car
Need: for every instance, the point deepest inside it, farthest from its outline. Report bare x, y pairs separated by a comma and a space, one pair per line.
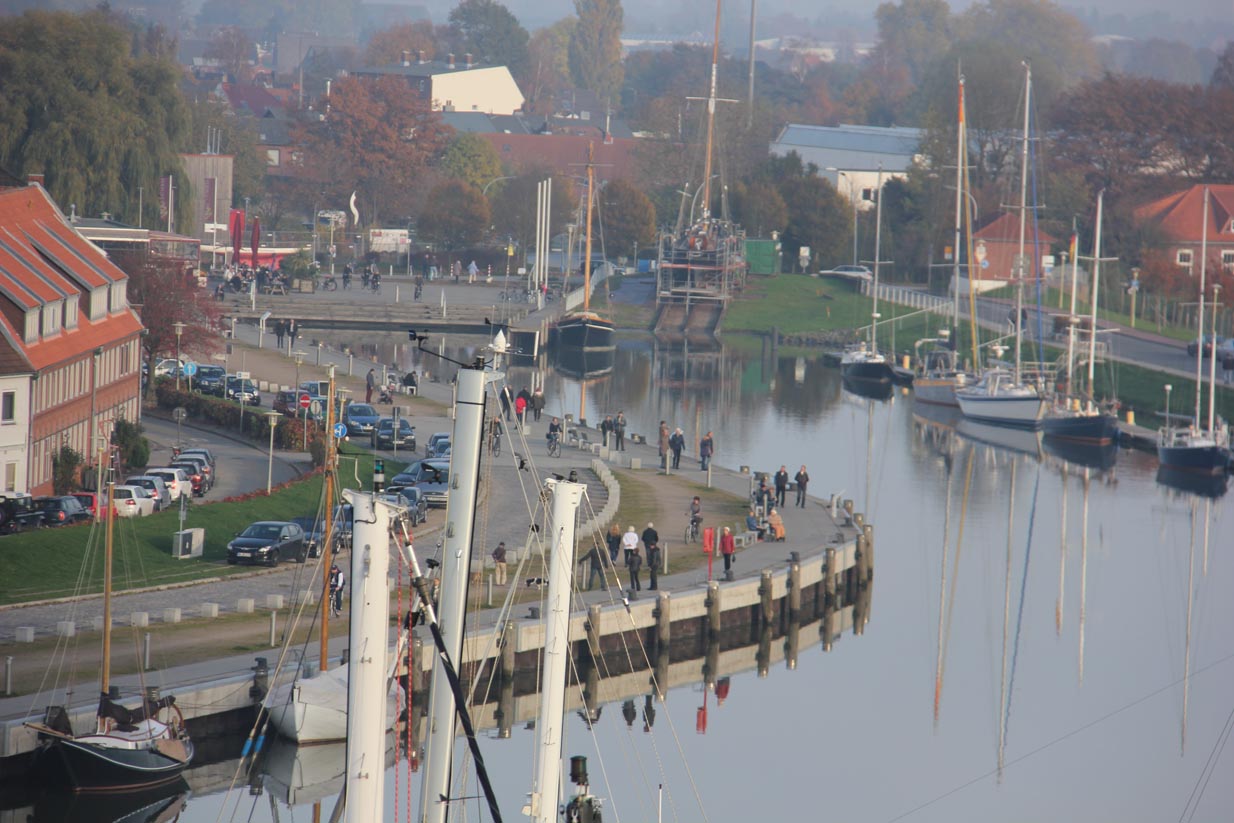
413, 498
62, 511
18, 511
242, 391
313, 526
210, 379
196, 471
383, 435
268, 542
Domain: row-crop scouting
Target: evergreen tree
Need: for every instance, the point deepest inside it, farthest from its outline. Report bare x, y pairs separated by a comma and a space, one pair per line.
595, 48
491, 34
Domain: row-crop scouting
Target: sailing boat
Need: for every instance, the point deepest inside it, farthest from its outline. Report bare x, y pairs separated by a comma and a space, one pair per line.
863, 362
586, 330
1193, 448
130, 748
1081, 420
1001, 396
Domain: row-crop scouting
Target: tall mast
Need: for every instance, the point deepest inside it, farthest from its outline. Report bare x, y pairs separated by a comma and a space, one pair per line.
1092, 332
711, 116
878, 245
1020, 261
1212, 366
1199, 349
959, 203
1071, 318
105, 678
591, 177
327, 535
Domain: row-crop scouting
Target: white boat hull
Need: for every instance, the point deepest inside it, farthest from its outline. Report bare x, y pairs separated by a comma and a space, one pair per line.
315, 710
1020, 410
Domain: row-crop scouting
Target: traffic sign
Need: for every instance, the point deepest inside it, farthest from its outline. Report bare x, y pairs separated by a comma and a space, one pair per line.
190, 369
305, 400
315, 408
340, 430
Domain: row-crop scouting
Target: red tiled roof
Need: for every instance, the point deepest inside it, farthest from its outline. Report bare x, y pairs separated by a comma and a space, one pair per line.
253, 99
1179, 216
564, 153
13, 358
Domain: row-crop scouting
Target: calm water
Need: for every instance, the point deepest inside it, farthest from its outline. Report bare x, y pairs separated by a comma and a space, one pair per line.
1062, 660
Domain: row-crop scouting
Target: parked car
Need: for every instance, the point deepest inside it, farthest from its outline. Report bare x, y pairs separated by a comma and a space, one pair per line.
62, 511
242, 390
168, 367
432, 441
433, 478
176, 480
850, 272
413, 498
441, 450
162, 495
195, 470
130, 501
1208, 345
287, 402
384, 438
312, 528
316, 389
18, 511
212, 475
210, 379
268, 542
360, 419
89, 501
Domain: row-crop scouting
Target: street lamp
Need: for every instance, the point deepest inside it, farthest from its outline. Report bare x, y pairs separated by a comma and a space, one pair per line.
179, 329
272, 419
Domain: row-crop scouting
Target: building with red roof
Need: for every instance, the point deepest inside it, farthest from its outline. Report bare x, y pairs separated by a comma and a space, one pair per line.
997, 245
1179, 220
70, 353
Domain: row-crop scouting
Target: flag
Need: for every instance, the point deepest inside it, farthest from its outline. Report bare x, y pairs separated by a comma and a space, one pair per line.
236, 227
256, 239
1071, 249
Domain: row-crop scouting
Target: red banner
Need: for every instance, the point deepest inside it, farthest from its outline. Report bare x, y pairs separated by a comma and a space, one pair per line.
236, 229
256, 239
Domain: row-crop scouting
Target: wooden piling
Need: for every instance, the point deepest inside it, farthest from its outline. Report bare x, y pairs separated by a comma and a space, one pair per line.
762, 658
792, 639
868, 532
764, 597
664, 622
829, 579
859, 519
863, 561
794, 591
713, 608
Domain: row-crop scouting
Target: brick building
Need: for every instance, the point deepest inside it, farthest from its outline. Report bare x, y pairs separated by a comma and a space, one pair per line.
70, 354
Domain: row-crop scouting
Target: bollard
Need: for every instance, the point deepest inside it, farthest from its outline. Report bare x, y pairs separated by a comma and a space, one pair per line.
489, 601
713, 607
396, 294
1130, 417
274, 617
351, 362
709, 475
764, 595
868, 531
146, 651
794, 591
8, 675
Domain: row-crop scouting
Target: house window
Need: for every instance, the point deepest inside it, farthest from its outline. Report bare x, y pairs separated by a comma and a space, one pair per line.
867, 194
8, 408
1227, 259
10, 477
1184, 257
272, 157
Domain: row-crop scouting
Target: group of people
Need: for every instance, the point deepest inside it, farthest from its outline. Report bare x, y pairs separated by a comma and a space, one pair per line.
673, 443
613, 430
522, 403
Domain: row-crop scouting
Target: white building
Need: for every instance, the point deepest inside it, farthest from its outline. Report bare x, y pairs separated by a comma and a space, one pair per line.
15, 378
850, 156
449, 85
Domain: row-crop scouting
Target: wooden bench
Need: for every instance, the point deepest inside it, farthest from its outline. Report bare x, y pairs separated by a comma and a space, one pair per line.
745, 539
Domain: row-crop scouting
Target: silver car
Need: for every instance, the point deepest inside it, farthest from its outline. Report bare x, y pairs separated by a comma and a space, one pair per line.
154, 484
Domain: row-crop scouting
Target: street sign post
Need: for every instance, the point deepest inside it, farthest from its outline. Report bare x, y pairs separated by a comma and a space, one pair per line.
340, 430
305, 401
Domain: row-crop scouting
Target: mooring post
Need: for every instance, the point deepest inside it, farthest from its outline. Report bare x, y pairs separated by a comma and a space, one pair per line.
829, 579
764, 596
274, 617
848, 509
863, 560
792, 639
713, 607
664, 622
868, 531
8, 675
794, 591
146, 652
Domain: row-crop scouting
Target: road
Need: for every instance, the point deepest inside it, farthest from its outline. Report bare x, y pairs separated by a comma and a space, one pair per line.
241, 467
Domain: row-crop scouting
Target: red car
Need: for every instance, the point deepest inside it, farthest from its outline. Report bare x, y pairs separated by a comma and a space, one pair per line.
89, 501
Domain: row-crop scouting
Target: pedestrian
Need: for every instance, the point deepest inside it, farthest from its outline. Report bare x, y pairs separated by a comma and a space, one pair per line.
537, 403
606, 429
526, 395
677, 442
370, 382
596, 558
520, 407
706, 448
728, 547
662, 440
472, 271
619, 429
629, 542
280, 331
337, 579
651, 541
802, 479
614, 543
635, 565
762, 496
499, 564
781, 483
506, 402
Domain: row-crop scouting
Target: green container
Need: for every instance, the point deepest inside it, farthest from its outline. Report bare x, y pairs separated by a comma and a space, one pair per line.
763, 256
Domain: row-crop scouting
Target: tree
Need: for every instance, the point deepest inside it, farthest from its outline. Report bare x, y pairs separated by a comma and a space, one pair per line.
234, 50
625, 216
818, 216
65, 465
77, 106
457, 217
386, 47
595, 47
913, 34
133, 447
490, 32
377, 141
759, 208
237, 136
1223, 74
548, 62
471, 159
514, 213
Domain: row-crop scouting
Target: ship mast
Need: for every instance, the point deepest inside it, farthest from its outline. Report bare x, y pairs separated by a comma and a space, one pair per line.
711, 116
591, 179
327, 535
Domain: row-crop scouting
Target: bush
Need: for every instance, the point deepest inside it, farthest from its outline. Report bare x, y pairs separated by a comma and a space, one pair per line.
133, 448
65, 464
288, 432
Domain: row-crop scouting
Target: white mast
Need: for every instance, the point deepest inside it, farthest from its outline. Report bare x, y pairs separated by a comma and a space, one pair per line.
878, 245
1092, 332
455, 569
961, 132
1072, 319
1021, 262
1199, 349
550, 724
366, 667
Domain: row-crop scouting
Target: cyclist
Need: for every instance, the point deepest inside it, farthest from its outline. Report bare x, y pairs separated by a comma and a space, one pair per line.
696, 515
554, 432
375, 282
494, 435
347, 270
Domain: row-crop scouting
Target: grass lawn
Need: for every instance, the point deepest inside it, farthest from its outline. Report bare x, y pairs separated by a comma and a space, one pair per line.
66, 561
1050, 301
795, 303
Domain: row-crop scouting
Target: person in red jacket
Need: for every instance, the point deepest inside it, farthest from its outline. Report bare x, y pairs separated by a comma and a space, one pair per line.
728, 547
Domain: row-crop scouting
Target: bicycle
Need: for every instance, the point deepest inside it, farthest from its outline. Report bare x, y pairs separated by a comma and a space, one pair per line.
329, 284
554, 446
494, 444
693, 530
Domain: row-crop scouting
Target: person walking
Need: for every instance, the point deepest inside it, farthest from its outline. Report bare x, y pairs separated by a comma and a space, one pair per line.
614, 543
606, 429
802, 480
520, 408
662, 442
629, 543
499, 564
505, 402
706, 448
537, 403
781, 484
337, 579
370, 383
619, 429
677, 442
596, 558
651, 542
635, 565
728, 547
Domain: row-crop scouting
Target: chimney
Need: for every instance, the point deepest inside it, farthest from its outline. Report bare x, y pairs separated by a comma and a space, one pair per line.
421, 57
34, 179
450, 60
467, 60
406, 58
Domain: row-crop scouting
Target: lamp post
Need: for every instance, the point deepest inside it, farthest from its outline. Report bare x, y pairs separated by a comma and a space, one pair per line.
179, 329
272, 418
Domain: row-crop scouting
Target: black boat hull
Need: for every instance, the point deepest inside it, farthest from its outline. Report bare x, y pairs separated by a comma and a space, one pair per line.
1092, 430
868, 372
586, 334
1196, 459
1211, 486
85, 767
872, 389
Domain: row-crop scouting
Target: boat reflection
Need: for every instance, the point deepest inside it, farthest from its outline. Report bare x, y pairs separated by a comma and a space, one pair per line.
871, 389
583, 364
1023, 441
1101, 458
157, 805
1201, 485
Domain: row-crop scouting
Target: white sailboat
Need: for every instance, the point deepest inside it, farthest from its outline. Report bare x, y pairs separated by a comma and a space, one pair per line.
863, 362
1001, 396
